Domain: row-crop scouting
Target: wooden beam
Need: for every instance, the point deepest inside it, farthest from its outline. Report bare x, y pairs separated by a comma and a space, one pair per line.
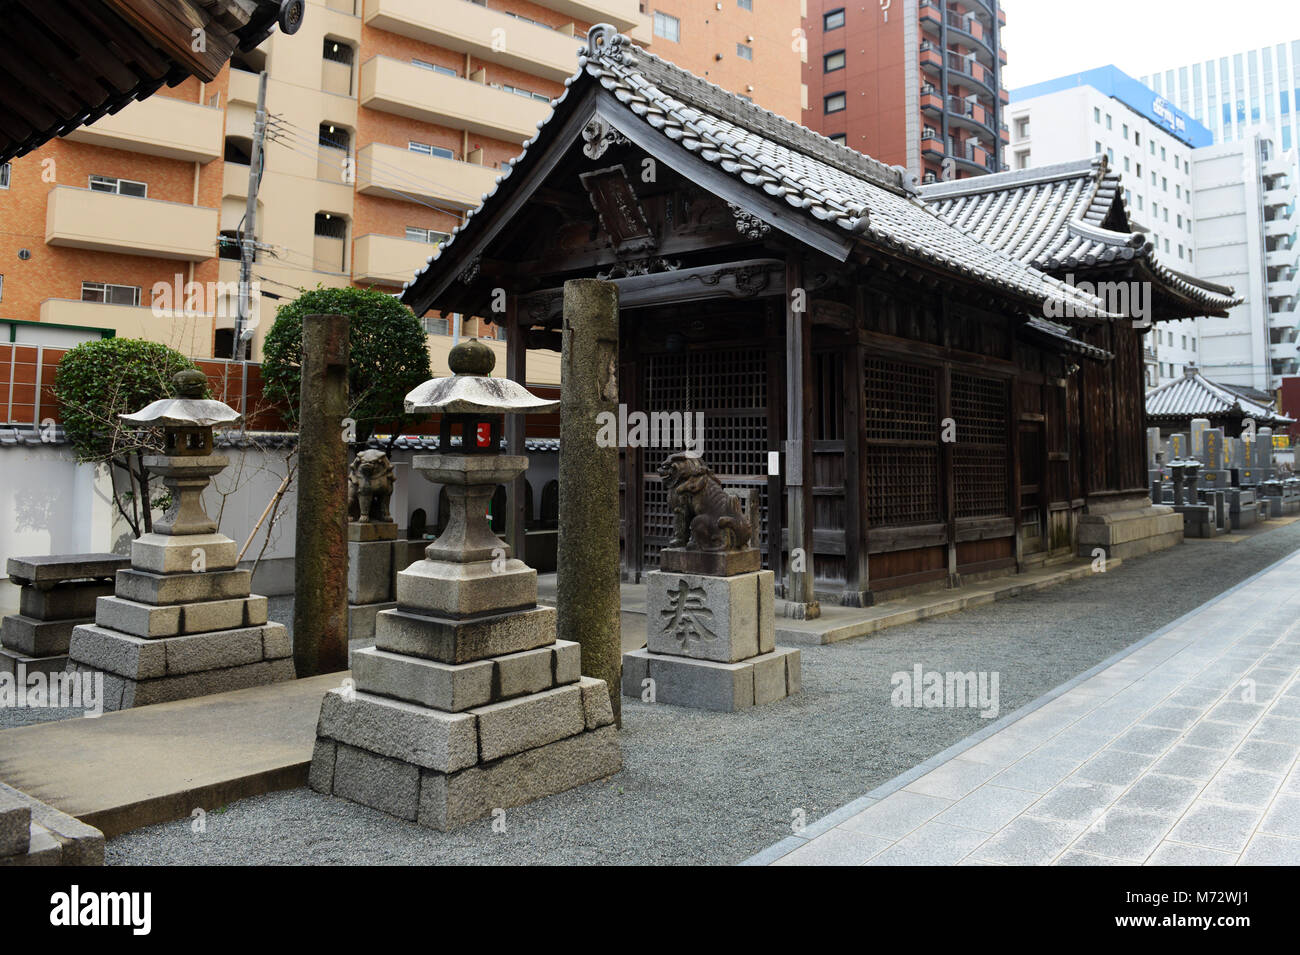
516, 493
857, 562
801, 598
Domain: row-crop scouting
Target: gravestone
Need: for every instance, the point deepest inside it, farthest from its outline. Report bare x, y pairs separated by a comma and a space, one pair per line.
1197, 446
710, 607
1215, 472
182, 621
467, 704
56, 595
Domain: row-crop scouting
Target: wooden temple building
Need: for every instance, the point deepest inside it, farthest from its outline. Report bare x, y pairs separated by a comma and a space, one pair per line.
934, 421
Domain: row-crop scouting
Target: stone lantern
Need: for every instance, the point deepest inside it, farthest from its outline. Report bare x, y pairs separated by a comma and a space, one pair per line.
467, 703
182, 621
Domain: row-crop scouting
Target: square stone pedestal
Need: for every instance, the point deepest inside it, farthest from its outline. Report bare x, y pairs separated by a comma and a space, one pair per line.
181, 623
710, 643
371, 576
56, 594
451, 719
1128, 526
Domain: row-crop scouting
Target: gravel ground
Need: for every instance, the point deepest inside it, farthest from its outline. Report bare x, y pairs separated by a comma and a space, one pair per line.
702, 787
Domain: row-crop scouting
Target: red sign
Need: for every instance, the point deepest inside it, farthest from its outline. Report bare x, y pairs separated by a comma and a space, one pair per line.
483, 436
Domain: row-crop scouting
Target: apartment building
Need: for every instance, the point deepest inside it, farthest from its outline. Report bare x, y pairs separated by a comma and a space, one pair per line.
1104, 112
389, 119
914, 83
1245, 196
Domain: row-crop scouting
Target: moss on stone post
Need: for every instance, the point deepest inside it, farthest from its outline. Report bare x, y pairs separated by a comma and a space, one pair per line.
320, 576
587, 598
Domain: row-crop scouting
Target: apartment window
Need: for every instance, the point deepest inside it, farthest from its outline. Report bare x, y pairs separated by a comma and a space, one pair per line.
1180, 222
1022, 127
833, 61
1166, 245
1162, 153
1165, 212
1154, 177
228, 245
1164, 183
520, 91
1109, 121
670, 28
437, 326
4, 175
1126, 164
1128, 197
744, 5
110, 294
426, 65
1125, 126
499, 331
1153, 147
337, 52
426, 150
1139, 170
833, 19
1137, 138
1110, 155
841, 138
1022, 159
1096, 114
1139, 200
432, 236
1096, 147
834, 103
123, 187
1178, 191
744, 52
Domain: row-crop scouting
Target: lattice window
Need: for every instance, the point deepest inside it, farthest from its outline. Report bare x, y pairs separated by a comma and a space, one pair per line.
901, 426
902, 401
730, 389
980, 459
902, 485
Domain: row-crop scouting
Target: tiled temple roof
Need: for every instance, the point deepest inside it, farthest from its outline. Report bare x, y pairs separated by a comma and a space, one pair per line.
1054, 218
831, 184
1195, 396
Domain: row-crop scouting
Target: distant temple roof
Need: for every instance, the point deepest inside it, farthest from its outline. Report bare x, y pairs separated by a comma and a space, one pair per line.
1195, 396
1065, 217
758, 154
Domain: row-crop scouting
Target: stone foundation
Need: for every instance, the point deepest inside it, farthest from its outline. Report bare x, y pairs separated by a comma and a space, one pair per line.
57, 594
170, 632
1128, 526
32, 833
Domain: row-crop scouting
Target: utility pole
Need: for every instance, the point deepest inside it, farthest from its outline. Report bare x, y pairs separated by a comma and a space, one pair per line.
248, 240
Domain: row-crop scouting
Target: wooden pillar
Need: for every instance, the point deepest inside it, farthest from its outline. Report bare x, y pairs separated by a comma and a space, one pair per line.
801, 599
516, 370
857, 572
948, 469
320, 605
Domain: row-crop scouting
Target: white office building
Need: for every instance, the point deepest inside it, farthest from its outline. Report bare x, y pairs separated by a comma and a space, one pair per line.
1233, 95
1151, 144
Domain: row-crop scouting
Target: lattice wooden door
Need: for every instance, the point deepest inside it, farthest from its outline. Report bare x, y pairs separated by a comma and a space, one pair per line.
730, 389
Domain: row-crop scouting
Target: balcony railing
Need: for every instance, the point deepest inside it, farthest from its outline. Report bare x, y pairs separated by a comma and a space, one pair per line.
404, 89
389, 260
391, 171
108, 222
485, 34
159, 126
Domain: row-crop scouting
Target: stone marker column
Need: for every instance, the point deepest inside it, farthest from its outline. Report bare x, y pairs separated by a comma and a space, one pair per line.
467, 703
710, 608
182, 621
320, 591
587, 559
1199, 427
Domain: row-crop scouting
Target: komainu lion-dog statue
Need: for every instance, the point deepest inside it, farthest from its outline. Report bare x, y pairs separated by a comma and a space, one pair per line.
705, 517
370, 486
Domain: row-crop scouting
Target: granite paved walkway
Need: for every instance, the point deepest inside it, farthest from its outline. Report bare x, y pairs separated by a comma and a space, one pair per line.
1180, 751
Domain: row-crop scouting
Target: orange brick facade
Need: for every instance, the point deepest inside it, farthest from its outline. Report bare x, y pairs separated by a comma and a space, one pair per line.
710, 36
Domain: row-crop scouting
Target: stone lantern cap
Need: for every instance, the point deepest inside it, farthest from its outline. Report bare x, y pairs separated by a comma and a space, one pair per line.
188, 409
471, 390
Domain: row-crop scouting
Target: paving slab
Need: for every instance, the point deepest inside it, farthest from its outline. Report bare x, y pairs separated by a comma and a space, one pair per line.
133, 768
1181, 750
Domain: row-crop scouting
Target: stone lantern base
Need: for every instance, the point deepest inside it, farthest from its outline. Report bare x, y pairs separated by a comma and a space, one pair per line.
451, 719
173, 631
